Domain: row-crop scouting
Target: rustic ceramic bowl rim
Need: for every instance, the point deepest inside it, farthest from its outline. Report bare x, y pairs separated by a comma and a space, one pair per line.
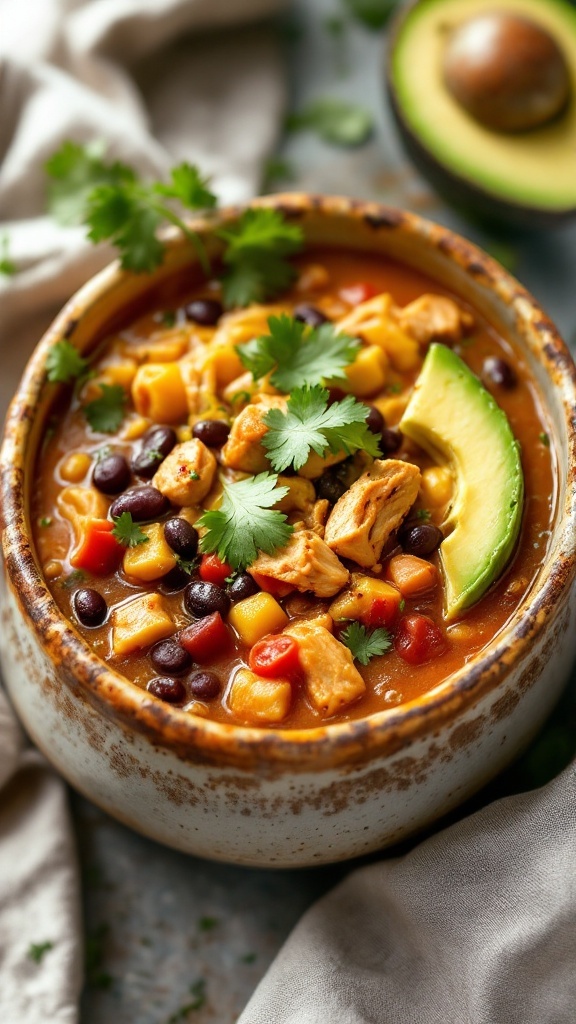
385, 731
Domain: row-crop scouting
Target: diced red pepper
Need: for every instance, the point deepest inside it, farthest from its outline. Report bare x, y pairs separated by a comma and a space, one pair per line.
275, 587
214, 570
419, 639
358, 292
275, 656
98, 551
205, 639
383, 611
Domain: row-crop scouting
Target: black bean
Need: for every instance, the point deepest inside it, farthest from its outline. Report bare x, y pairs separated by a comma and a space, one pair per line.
243, 586
172, 691
204, 311
181, 536
174, 581
330, 486
145, 463
168, 656
421, 539
213, 433
111, 474
204, 685
375, 420
143, 504
204, 598
159, 439
497, 371
90, 607
310, 315
390, 441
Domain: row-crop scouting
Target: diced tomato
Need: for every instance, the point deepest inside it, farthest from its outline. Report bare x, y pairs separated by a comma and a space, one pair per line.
383, 611
358, 292
419, 639
98, 551
275, 656
214, 570
205, 639
275, 587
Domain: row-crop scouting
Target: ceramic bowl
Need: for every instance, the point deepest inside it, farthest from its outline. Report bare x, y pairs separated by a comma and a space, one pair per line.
279, 797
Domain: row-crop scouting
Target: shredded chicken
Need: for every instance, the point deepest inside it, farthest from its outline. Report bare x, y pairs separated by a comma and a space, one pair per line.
186, 474
434, 318
307, 563
244, 449
365, 516
331, 679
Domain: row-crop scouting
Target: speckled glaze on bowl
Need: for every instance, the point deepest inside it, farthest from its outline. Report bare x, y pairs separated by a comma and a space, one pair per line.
279, 797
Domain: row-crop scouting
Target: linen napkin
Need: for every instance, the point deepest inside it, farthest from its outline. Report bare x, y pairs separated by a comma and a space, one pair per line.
159, 85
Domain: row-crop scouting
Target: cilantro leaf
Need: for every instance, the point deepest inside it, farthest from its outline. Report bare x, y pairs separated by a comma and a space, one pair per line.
36, 950
300, 355
336, 121
105, 414
245, 523
366, 644
188, 187
258, 245
7, 266
64, 363
118, 213
75, 171
127, 531
310, 423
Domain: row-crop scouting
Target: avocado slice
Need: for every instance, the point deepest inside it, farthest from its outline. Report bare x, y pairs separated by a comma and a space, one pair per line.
453, 418
526, 178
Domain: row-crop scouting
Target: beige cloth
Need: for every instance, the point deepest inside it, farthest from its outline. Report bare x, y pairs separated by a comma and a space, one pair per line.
151, 78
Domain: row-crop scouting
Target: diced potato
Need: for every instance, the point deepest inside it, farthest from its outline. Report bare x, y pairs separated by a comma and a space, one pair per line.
122, 373
75, 467
226, 363
367, 373
78, 503
361, 599
151, 559
140, 623
412, 575
256, 616
186, 474
437, 486
259, 701
158, 392
392, 407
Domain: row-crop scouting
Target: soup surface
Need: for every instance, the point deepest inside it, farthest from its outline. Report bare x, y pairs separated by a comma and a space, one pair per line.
345, 613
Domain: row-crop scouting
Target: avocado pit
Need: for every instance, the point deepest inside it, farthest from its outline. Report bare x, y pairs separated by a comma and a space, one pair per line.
506, 71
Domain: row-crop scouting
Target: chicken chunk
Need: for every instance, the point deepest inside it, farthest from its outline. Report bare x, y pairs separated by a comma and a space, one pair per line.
244, 449
331, 679
434, 318
307, 563
186, 474
365, 516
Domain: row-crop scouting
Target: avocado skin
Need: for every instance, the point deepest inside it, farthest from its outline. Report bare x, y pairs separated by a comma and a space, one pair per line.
457, 190
448, 412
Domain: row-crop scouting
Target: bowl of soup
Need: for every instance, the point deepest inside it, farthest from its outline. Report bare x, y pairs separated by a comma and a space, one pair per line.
285, 582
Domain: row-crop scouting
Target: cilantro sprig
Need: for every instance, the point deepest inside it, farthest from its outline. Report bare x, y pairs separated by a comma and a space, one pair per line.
246, 523
105, 413
309, 423
298, 355
336, 121
127, 531
256, 256
7, 265
64, 363
366, 644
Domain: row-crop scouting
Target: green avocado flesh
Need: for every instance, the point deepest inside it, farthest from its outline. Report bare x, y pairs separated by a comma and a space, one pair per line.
453, 418
535, 169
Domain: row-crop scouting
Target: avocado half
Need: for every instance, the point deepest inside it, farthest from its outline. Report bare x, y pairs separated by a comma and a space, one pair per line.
453, 418
527, 178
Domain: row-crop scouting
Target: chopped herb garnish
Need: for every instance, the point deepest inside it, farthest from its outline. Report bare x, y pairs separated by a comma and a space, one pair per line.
372, 13
423, 515
105, 414
7, 266
246, 523
206, 924
74, 577
297, 355
168, 318
336, 121
198, 992
127, 531
394, 388
545, 439
194, 475
240, 396
366, 644
64, 363
36, 950
256, 257
188, 565
402, 605
45, 521
248, 958
311, 424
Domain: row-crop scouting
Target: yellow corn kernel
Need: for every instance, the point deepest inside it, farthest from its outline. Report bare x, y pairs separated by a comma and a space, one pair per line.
256, 616
392, 408
134, 427
259, 701
184, 433
75, 467
158, 392
151, 559
52, 569
367, 373
140, 623
357, 601
437, 486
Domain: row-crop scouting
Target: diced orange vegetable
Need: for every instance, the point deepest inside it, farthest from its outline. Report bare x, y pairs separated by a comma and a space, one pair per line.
372, 601
256, 616
140, 623
98, 550
413, 576
158, 392
259, 701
